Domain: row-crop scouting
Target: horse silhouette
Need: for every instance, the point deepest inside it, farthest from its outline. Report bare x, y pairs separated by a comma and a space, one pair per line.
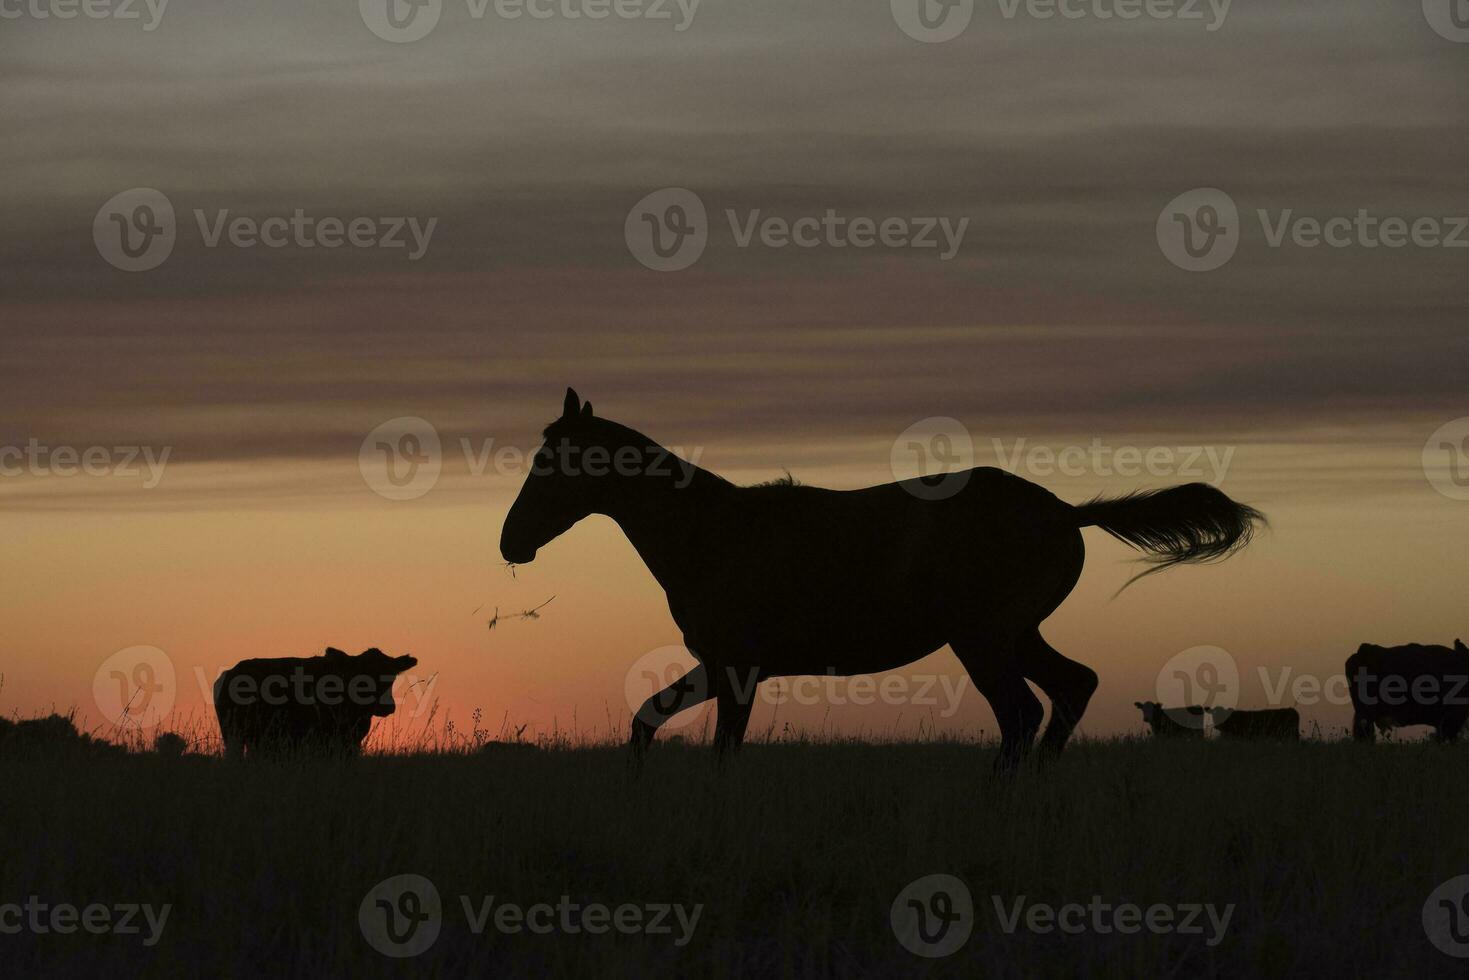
783, 579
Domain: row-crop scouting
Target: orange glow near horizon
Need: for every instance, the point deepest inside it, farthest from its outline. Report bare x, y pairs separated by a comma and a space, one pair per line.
212, 585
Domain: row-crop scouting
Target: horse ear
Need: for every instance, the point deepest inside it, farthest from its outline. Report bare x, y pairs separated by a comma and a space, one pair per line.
572, 406
586, 410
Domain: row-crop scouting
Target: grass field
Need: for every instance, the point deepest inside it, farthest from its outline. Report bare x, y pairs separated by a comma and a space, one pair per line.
795, 851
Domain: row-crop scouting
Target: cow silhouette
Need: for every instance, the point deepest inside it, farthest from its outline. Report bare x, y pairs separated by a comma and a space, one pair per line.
782, 579
290, 705
1186, 722
1270, 723
1413, 684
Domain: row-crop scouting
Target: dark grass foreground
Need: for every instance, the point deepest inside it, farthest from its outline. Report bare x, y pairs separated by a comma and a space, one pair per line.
795, 851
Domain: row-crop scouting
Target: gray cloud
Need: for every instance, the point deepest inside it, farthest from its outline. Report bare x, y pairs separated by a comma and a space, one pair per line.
528, 141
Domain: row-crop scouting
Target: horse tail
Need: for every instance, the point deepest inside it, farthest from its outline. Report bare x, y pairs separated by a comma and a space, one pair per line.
1187, 525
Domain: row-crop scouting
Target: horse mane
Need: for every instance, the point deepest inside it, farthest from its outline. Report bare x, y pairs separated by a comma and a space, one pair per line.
779, 483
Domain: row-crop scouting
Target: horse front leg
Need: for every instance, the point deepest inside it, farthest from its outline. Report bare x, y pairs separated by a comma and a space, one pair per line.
689, 690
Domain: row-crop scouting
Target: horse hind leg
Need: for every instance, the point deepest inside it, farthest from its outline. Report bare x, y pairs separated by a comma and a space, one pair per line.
1068, 684
734, 697
995, 670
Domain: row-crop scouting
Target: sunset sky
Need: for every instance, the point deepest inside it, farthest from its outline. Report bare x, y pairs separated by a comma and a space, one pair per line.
1314, 375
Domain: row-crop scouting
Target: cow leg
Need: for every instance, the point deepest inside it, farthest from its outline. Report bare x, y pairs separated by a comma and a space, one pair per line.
689, 690
1068, 684
995, 670
231, 733
1362, 728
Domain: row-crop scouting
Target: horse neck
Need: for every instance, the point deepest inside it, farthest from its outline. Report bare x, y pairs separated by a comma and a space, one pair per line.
659, 514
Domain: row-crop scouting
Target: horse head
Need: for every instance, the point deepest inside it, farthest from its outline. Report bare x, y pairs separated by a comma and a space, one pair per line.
560, 488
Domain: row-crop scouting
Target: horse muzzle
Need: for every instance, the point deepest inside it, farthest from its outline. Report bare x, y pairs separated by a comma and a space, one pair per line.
517, 555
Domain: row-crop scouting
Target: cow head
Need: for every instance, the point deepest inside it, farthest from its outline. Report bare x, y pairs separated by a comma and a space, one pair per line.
380, 670
1459, 647
1171, 720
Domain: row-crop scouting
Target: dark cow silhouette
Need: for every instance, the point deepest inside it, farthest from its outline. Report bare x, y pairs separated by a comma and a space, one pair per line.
782, 579
305, 704
1172, 722
1413, 684
1281, 723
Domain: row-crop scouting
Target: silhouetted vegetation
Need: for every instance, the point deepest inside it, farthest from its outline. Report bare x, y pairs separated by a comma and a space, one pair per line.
796, 851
